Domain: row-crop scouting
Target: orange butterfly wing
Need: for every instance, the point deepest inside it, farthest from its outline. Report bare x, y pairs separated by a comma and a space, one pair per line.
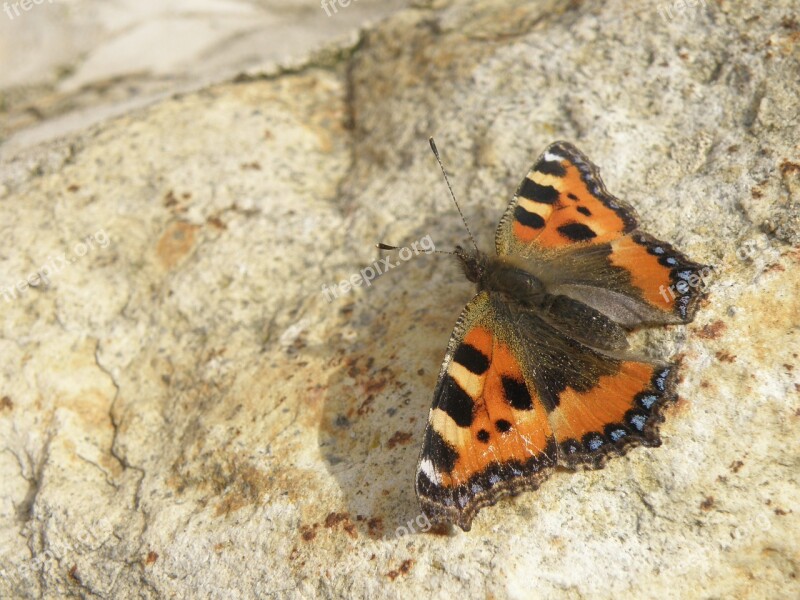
583, 239
561, 202
515, 398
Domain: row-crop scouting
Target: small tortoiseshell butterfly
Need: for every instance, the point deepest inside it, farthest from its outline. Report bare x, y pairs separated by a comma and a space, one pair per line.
537, 372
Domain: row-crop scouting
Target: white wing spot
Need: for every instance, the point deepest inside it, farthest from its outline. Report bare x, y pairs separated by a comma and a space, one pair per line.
426, 466
552, 157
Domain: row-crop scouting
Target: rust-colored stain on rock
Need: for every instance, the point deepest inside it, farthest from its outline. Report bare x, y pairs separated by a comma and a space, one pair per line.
789, 168
724, 356
680, 406
335, 518
375, 527
308, 532
73, 574
176, 242
403, 569
400, 438
712, 331
245, 488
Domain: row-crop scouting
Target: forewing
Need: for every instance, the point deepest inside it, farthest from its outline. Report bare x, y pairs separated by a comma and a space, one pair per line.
561, 202
583, 242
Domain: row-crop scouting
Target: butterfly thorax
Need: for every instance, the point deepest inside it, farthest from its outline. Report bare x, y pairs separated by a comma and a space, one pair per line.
502, 275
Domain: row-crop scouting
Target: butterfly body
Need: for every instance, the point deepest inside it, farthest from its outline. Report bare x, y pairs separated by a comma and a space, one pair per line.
500, 275
538, 371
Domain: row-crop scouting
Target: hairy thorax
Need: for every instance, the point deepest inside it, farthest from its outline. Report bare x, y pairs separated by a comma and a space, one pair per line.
503, 275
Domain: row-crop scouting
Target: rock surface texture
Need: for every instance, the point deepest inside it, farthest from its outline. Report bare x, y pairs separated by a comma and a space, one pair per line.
68, 64
183, 413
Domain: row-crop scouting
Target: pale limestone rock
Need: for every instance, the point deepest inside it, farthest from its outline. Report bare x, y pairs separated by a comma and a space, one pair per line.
184, 414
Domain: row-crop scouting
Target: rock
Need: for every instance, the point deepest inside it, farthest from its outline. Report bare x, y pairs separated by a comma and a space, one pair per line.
67, 66
184, 413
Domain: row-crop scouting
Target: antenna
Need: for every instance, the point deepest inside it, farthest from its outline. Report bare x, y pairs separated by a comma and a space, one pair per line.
382, 246
449, 187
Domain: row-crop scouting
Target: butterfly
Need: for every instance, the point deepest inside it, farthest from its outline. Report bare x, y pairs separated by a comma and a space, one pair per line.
538, 373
